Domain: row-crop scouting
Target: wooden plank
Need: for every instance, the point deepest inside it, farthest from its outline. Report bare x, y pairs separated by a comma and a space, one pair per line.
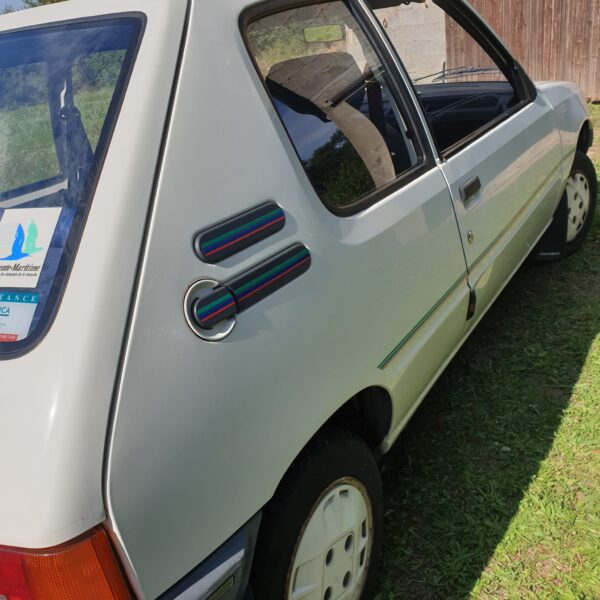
451, 43
507, 28
518, 25
592, 87
561, 9
497, 10
586, 30
553, 39
483, 58
553, 24
533, 28
539, 36
566, 40
568, 57
578, 51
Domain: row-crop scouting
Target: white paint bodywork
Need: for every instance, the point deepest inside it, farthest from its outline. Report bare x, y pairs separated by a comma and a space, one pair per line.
569, 112
55, 400
202, 433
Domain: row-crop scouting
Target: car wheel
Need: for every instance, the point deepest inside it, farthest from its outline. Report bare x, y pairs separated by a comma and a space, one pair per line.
320, 537
581, 192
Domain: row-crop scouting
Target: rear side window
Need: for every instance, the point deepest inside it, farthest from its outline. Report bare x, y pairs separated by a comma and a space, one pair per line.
333, 95
27, 153
60, 90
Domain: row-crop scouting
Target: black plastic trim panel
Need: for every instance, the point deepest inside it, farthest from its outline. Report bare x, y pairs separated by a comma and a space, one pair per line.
218, 242
208, 573
268, 277
218, 306
247, 289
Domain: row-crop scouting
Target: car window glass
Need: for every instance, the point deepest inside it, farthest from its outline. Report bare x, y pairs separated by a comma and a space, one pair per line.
27, 152
333, 96
460, 87
60, 88
95, 76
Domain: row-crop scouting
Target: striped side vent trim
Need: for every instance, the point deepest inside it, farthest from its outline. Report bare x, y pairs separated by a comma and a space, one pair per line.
218, 242
218, 306
268, 277
240, 293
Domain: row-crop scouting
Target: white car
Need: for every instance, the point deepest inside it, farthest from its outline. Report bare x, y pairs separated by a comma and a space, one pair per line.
238, 244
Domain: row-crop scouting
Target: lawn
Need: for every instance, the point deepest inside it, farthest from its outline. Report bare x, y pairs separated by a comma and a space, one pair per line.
493, 490
27, 151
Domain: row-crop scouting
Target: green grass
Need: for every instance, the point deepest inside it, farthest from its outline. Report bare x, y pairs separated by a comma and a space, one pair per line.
493, 491
27, 152
94, 105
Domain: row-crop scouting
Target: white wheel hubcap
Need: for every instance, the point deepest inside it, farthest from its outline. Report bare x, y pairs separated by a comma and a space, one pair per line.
334, 550
578, 199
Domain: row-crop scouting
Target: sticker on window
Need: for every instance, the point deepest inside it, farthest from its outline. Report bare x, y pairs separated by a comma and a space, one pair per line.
16, 314
25, 236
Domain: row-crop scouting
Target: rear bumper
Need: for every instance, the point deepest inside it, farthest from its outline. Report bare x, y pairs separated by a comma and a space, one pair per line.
224, 574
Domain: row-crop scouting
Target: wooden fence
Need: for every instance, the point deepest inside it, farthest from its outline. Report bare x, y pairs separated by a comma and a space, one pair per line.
552, 39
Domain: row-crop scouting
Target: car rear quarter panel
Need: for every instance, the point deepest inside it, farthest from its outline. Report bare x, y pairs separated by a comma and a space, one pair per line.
203, 433
55, 401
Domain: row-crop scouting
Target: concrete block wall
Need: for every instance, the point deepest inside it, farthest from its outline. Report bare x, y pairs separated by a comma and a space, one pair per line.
419, 33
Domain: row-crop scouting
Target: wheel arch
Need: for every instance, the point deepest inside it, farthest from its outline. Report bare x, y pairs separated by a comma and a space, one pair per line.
586, 136
367, 414
332, 456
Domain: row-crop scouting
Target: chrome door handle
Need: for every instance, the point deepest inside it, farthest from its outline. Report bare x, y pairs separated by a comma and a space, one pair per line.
469, 189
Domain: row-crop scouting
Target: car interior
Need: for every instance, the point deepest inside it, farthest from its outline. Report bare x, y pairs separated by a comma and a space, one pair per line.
332, 87
455, 110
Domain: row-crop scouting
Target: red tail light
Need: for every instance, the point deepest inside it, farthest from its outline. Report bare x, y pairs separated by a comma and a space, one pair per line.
85, 569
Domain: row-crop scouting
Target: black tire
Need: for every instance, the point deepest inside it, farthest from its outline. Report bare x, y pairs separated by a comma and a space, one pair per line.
331, 457
583, 166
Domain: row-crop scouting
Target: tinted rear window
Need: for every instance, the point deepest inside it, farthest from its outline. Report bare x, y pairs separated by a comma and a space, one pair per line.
60, 90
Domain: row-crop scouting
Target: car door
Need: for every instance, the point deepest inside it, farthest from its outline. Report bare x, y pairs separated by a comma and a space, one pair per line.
356, 279
498, 146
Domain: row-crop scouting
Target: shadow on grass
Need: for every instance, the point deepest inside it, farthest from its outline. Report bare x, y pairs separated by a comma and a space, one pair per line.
456, 477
